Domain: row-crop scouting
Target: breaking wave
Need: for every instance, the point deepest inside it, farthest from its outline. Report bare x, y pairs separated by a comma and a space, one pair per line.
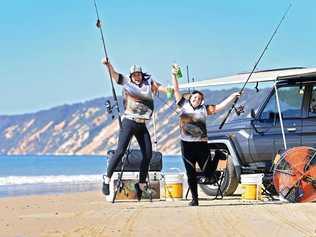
16, 180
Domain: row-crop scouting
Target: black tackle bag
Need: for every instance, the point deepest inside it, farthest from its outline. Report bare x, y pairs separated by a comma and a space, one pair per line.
134, 159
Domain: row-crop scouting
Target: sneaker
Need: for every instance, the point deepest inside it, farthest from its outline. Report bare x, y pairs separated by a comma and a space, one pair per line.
194, 202
106, 188
139, 192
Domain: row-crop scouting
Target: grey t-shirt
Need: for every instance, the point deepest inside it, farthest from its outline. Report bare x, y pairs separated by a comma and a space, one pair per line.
138, 99
192, 121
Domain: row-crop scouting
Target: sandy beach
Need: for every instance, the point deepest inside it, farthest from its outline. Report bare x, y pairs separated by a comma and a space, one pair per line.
88, 214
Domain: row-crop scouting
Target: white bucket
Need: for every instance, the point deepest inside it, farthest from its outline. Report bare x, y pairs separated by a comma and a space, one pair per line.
251, 184
173, 186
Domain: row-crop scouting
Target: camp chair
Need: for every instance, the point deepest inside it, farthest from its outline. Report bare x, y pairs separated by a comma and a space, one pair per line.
217, 177
268, 188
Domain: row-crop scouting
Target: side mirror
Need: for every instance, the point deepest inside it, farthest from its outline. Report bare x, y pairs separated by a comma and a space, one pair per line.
252, 113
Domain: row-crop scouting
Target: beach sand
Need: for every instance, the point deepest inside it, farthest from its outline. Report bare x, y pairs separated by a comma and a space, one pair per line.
88, 214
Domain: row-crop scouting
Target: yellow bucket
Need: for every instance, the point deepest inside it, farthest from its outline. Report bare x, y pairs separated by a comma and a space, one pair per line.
251, 185
251, 192
173, 187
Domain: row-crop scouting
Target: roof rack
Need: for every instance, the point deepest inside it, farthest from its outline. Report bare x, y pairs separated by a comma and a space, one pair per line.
274, 70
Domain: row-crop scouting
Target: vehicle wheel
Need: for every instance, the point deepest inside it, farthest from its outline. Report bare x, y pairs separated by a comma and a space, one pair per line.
229, 184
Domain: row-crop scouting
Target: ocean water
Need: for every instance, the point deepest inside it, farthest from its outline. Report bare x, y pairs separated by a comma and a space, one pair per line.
28, 175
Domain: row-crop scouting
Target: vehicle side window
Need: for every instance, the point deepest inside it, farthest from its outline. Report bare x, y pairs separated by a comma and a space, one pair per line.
291, 99
312, 105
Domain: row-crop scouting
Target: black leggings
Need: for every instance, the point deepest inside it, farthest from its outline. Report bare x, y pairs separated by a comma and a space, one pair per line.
139, 130
197, 152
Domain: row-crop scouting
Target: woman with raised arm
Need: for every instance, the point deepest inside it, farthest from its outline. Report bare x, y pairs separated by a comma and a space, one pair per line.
139, 89
193, 133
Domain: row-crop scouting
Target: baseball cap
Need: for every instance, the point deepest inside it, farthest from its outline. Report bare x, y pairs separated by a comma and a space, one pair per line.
135, 68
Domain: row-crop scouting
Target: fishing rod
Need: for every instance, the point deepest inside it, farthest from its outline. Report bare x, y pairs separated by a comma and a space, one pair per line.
255, 66
108, 104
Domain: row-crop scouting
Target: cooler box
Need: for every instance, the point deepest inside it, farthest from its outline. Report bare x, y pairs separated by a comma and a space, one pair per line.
128, 191
134, 160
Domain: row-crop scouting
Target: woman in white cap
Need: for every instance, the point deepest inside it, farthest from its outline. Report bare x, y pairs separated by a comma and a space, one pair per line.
193, 134
139, 89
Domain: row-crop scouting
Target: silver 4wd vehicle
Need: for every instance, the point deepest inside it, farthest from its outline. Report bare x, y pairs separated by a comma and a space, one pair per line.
252, 141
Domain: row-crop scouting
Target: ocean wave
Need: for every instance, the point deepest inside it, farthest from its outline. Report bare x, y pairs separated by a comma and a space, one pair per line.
16, 180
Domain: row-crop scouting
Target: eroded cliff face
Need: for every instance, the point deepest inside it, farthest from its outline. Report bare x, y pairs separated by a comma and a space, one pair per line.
87, 129
81, 129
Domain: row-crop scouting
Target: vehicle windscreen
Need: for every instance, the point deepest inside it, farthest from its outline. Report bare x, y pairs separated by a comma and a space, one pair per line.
250, 99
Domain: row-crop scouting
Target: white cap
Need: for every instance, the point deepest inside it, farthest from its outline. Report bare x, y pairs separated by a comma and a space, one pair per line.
135, 68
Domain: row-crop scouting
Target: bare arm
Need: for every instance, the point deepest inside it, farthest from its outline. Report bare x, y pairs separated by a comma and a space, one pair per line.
158, 87
175, 83
223, 104
162, 89
114, 74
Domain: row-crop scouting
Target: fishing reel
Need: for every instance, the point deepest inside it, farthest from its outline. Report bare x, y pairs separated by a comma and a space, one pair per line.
109, 107
239, 110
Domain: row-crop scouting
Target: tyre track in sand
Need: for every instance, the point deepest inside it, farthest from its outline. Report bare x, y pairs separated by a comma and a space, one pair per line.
213, 223
110, 227
132, 219
202, 226
283, 219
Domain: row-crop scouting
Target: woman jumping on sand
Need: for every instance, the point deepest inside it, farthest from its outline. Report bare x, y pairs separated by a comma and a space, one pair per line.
193, 133
139, 89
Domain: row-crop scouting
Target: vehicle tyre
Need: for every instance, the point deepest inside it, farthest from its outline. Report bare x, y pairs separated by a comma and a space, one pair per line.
229, 184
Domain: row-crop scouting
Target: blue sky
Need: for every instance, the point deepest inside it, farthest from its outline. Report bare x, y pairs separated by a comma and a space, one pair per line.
51, 50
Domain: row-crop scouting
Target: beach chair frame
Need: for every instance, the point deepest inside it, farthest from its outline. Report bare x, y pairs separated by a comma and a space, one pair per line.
218, 181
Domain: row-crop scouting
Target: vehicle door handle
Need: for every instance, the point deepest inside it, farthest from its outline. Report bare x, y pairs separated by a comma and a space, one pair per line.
291, 129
